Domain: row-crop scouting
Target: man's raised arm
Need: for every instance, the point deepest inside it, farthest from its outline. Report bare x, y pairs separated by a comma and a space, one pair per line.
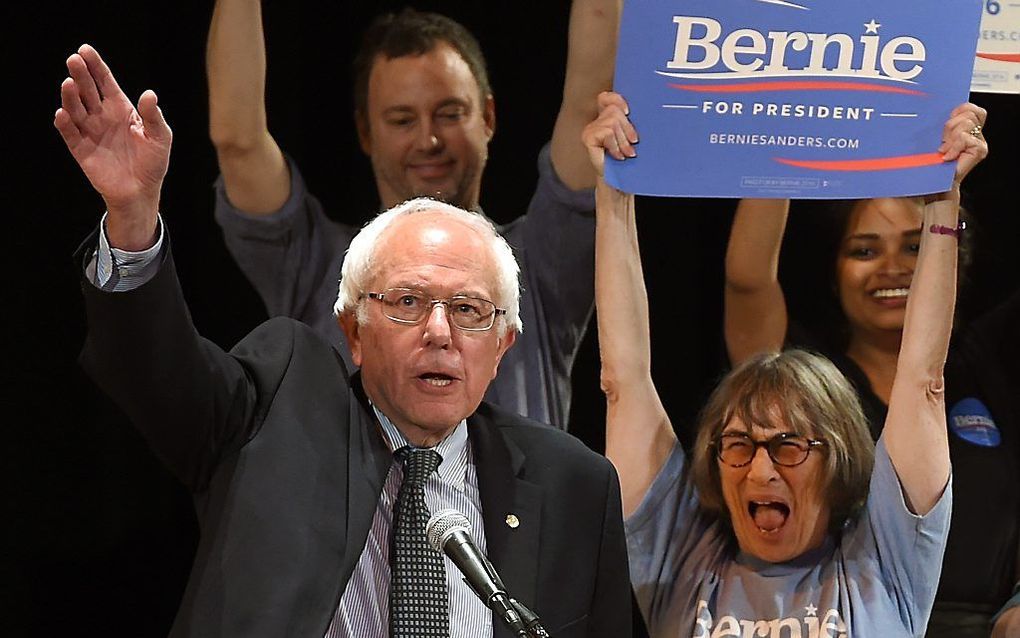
591, 49
254, 170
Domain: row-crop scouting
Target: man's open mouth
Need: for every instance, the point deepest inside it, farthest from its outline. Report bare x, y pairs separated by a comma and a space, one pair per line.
436, 379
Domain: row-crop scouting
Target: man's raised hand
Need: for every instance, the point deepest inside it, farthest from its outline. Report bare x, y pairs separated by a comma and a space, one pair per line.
122, 150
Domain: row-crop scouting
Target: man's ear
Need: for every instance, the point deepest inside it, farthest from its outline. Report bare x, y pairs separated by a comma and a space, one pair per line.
364, 132
502, 346
489, 115
349, 324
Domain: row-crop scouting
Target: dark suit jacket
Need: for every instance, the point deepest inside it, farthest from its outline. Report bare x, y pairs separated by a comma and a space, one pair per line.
284, 457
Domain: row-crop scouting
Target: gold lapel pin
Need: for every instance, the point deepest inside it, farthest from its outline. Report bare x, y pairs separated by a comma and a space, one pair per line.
512, 521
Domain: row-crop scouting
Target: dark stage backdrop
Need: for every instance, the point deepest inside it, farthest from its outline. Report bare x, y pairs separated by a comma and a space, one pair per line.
98, 537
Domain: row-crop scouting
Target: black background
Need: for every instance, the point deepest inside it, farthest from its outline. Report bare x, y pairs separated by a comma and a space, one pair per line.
98, 537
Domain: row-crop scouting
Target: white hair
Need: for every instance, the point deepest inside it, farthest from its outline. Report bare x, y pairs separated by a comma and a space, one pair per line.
360, 260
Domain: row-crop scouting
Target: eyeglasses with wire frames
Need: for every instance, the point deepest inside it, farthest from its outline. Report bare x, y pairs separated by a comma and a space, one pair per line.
411, 307
788, 449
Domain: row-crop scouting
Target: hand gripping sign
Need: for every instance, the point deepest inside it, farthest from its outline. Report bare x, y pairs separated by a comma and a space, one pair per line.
792, 98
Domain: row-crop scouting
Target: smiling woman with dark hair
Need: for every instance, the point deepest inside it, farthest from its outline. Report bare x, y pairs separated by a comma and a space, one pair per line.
786, 521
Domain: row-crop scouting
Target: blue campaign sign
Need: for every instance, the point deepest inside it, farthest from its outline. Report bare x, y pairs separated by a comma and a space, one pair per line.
792, 98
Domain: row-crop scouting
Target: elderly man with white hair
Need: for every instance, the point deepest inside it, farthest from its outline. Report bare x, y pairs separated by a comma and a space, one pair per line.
313, 486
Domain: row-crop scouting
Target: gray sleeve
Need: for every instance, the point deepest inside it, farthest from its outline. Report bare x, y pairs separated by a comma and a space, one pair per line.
292, 256
669, 542
555, 244
909, 547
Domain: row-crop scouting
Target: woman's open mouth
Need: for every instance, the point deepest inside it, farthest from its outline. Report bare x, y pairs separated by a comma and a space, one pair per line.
768, 516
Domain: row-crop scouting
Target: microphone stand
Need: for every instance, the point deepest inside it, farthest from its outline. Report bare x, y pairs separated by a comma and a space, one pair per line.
532, 623
520, 620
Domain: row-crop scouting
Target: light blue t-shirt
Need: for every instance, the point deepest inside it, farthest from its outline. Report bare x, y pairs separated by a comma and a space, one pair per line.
877, 580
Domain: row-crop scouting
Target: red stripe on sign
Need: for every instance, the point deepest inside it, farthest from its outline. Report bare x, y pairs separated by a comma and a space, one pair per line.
750, 87
1001, 57
877, 164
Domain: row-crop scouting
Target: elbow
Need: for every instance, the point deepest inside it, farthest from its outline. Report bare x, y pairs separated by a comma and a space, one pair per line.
740, 286
743, 280
924, 371
935, 387
924, 383
615, 379
229, 143
610, 385
619, 380
232, 141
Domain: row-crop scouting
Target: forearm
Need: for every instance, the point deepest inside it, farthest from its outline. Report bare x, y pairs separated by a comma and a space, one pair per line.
236, 67
253, 167
929, 315
916, 419
620, 295
755, 309
752, 255
591, 50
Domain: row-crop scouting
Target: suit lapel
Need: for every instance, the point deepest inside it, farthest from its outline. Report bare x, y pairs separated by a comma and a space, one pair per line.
513, 551
353, 470
368, 463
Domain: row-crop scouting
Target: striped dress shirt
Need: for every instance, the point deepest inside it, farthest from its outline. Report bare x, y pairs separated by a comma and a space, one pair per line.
364, 608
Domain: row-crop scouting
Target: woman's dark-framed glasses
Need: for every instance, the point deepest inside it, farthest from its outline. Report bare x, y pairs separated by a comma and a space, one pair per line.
788, 449
410, 306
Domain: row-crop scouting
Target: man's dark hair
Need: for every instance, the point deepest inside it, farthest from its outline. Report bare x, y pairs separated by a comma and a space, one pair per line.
410, 32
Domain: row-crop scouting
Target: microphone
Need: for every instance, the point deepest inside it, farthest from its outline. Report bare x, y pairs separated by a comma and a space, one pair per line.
449, 532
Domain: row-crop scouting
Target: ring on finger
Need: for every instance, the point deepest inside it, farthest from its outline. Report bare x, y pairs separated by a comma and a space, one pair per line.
976, 131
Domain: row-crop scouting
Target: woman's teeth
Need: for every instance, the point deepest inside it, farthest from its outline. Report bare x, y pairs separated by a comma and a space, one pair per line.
889, 293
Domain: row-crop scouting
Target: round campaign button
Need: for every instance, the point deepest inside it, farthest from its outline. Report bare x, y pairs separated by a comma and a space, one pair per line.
972, 421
